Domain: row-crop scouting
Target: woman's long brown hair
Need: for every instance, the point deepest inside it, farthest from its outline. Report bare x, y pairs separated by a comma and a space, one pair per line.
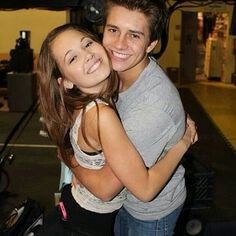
57, 104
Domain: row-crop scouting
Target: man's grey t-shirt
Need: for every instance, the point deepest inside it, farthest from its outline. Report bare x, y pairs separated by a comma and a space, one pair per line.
153, 117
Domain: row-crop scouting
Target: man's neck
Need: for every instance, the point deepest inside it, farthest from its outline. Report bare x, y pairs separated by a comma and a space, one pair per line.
128, 77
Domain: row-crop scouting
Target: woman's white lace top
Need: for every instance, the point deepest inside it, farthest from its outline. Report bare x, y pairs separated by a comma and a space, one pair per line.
82, 196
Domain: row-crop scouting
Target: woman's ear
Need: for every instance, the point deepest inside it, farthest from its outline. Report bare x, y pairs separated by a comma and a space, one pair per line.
66, 83
151, 46
59, 80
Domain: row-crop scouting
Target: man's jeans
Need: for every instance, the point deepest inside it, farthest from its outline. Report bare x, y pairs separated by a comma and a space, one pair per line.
127, 225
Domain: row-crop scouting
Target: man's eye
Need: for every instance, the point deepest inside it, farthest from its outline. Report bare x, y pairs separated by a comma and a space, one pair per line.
112, 30
135, 36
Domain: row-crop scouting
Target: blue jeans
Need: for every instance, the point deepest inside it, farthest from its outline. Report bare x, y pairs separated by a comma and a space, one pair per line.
127, 225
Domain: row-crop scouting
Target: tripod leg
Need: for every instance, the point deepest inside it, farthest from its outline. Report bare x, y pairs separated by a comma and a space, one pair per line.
4, 180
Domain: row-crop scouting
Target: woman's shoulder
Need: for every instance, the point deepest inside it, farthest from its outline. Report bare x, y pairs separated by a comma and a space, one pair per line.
103, 111
93, 104
97, 102
98, 108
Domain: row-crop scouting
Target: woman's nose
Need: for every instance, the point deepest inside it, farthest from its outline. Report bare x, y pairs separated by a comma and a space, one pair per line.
89, 56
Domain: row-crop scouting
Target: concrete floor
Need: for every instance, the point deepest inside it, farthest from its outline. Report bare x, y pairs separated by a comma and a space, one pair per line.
219, 101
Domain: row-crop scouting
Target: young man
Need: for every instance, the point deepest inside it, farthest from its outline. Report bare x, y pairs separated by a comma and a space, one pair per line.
151, 112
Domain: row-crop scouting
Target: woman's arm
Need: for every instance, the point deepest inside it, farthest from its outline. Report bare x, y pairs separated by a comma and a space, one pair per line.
102, 183
127, 165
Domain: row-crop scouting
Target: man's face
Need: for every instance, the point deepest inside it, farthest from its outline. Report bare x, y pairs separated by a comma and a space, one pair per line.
126, 38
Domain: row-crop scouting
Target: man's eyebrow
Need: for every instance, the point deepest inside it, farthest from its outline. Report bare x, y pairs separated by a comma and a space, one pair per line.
136, 32
110, 25
131, 31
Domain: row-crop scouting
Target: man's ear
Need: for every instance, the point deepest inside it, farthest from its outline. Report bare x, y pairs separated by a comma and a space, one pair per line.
66, 83
151, 46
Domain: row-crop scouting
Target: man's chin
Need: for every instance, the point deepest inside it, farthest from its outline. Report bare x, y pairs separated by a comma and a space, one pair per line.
119, 67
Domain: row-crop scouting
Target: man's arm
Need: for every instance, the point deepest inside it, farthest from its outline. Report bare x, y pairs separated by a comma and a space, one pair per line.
102, 183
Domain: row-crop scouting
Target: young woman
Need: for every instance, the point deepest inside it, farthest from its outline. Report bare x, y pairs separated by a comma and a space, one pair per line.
77, 91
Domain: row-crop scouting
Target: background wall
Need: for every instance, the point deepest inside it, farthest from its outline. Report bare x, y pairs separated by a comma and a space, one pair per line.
39, 22
170, 58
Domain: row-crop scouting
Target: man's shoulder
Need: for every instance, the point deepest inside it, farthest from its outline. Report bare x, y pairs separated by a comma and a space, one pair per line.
155, 73
155, 65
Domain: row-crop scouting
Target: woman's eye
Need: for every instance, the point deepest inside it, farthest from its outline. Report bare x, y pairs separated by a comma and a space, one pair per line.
88, 44
72, 59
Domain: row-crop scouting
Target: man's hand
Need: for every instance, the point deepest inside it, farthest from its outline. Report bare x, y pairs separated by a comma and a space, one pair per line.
75, 181
193, 128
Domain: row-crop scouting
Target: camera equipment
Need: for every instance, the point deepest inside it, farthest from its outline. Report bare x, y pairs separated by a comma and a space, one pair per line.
22, 56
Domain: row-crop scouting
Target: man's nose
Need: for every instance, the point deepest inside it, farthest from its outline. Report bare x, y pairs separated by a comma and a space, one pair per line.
121, 42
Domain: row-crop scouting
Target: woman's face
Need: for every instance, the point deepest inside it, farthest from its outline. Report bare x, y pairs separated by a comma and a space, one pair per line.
82, 61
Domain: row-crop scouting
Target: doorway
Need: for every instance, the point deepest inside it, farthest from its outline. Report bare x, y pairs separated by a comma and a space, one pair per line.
188, 46
211, 45
203, 46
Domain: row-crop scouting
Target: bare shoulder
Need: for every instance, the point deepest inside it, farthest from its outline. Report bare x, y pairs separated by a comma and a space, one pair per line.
107, 115
104, 112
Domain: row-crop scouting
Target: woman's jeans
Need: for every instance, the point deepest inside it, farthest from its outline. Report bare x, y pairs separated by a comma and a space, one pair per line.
127, 225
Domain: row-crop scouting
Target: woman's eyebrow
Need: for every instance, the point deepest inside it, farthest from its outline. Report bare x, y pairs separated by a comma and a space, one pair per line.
66, 55
83, 38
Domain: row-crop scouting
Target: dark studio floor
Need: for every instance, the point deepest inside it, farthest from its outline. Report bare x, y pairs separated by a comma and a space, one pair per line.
210, 164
